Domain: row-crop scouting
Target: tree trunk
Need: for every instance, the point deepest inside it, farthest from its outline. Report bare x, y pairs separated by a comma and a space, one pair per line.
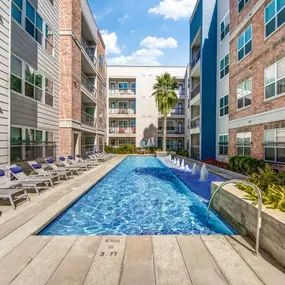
164, 132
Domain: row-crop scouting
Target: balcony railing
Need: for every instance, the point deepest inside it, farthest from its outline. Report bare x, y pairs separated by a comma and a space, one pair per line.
181, 92
196, 58
178, 111
172, 131
195, 123
88, 120
122, 111
195, 91
118, 130
89, 50
172, 146
122, 92
195, 152
88, 84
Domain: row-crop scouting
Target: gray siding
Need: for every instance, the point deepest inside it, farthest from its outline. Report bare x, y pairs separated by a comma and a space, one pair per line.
25, 111
4, 80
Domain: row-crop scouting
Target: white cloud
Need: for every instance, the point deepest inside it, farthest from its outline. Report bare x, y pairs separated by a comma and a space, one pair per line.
174, 9
158, 43
139, 57
123, 19
110, 40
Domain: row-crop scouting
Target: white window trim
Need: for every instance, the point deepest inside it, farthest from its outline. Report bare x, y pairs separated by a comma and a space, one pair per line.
275, 16
245, 43
228, 54
243, 145
275, 147
243, 83
224, 106
223, 135
228, 34
275, 82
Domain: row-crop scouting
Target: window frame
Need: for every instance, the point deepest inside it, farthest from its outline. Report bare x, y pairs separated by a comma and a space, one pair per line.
21, 10
224, 145
225, 66
275, 64
244, 5
224, 30
273, 145
222, 98
46, 92
34, 84
276, 12
244, 44
123, 89
243, 145
47, 27
244, 96
21, 78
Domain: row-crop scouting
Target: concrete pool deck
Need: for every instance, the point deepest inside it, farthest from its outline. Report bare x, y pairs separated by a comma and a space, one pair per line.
144, 260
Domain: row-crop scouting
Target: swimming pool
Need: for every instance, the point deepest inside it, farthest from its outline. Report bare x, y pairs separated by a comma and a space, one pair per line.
140, 196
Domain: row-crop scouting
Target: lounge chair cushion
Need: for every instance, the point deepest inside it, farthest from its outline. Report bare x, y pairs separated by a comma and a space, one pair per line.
2, 172
62, 158
36, 166
16, 169
49, 160
70, 157
78, 155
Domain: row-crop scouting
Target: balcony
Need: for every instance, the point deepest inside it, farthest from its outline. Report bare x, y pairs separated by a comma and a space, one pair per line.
122, 111
90, 51
172, 131
122, 92
195, 59
88, 120
181, 92
122, 131
88, 85
178, 111
195, 91
195, 123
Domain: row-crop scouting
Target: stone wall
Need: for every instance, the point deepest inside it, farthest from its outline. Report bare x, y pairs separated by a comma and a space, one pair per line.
242, 215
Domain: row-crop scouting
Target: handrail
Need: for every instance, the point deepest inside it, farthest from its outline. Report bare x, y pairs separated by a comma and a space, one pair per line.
258, 224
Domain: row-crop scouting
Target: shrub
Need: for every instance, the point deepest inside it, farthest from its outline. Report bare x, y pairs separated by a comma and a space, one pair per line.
111, 149
182, 152
272, 186
246, 164
126, 149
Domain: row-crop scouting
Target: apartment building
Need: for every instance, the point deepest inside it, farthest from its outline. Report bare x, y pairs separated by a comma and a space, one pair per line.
133, 117
4, 82
203, 59
257, 79
222, 93
82, 80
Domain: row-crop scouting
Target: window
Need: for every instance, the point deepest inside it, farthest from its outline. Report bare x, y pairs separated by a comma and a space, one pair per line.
48, 92
17, 9
16, 144
274, 16
241, 4
49, 40
245, 43
274, 79
274, 145
123, 105
33, 84
243, 144
223, 144
123, 124
123, 86
101, 62
123, 141
100, 89
34, 23
133, 87
224, 66
244, 94
224, 105
16, 74
225, 26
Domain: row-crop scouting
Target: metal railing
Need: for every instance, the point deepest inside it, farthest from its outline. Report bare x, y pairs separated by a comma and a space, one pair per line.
195, 91
181, 92
89, 50
88, 120
122, 111
172, 131
195, 123
88, 84
259, 211
118, 130
178, 111
196, 58
124, 92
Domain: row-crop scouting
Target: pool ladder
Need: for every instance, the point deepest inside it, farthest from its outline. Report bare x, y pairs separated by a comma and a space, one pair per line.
259, 211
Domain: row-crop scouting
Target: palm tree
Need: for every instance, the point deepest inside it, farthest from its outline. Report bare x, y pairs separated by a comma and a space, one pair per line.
165, 96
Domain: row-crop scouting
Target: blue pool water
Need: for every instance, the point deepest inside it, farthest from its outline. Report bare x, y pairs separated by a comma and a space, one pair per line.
141, 196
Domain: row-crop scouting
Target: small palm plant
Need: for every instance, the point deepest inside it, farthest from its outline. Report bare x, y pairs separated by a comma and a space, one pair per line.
166, 98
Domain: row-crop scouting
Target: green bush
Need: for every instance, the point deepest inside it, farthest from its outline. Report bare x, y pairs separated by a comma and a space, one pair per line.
272, 186
182, 152
111, 149
246, 164
126, 149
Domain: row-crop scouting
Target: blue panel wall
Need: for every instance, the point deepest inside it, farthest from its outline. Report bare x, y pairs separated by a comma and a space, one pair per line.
208, 81
196, 22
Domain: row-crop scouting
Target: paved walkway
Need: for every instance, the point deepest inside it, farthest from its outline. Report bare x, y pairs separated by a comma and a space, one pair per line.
132, 260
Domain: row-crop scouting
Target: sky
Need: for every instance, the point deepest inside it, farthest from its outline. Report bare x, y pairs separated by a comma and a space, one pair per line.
144, 32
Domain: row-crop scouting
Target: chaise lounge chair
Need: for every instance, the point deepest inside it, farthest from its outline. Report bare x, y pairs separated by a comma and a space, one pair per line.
59, 170
67, 165
93, 162
70, 160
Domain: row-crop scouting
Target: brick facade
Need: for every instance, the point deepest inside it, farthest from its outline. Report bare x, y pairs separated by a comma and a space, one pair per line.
264, 53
